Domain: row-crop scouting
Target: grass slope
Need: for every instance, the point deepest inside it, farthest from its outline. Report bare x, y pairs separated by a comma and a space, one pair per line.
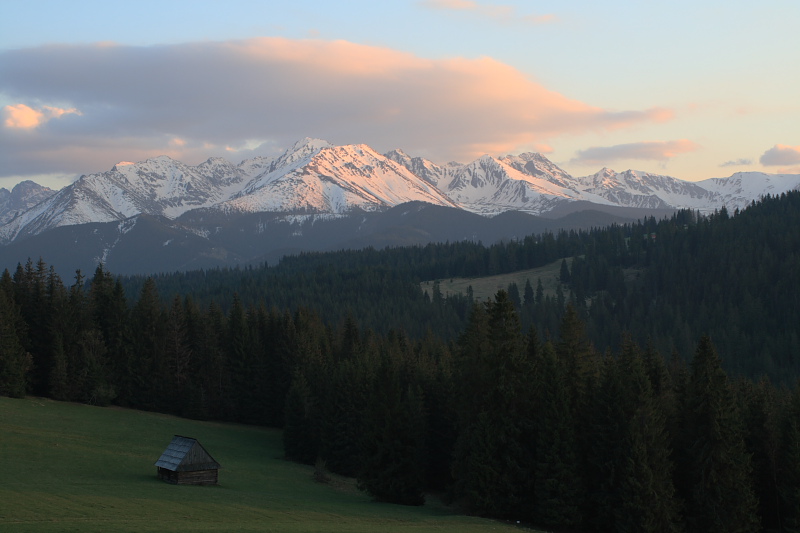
486, 287
68, 467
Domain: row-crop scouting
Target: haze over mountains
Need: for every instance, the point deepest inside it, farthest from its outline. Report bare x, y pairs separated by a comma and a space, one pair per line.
161, 214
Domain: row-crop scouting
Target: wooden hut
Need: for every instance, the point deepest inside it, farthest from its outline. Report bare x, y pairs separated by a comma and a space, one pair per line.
186, 462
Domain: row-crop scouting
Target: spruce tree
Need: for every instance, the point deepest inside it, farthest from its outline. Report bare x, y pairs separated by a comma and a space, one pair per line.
557, 490
300, 430
563, 275
719, 495
394, 439
646, 494
492, 463
15, 363
789, 464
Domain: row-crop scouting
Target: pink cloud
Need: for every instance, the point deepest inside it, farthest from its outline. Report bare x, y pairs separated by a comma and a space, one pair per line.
649, 150
498, 12
781, 155
136, 101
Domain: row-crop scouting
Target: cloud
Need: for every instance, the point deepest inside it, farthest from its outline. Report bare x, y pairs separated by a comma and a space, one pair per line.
652, 150
20, 116
737, 163
466, 5
781, 155
191, 101
498, 12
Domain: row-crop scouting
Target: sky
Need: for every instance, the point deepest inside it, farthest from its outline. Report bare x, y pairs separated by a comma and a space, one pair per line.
692, 89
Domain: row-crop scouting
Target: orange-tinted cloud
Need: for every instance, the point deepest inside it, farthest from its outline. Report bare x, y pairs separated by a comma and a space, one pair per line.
21, 116
213, 95
781, 155
651, 150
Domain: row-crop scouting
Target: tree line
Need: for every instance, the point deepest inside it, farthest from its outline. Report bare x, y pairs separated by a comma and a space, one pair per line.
667, 282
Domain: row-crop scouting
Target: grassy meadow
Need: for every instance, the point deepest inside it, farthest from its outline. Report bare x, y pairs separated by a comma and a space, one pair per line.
486, 287
69, 467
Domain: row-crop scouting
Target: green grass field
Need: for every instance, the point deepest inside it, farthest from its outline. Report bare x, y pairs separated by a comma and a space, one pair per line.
68, 467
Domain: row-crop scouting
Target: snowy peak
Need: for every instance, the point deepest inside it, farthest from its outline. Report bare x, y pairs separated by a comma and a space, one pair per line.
741, 188
159, 186
634, 188
427, 170
536, 165
527, 183
333, 179
302, 150
22, 197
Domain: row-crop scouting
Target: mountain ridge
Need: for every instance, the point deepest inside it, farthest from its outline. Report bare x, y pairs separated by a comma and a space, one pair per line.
314, 176
315, 183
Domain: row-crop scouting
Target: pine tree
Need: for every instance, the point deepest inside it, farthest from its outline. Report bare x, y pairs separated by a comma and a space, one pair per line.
759, 405
15, 363
394, 440
789, 465
147, 374
646, 494
300, 430
539, 291
59, 373
179, 359
342, 417
497, 415
563, 275
528, 297
558, 490
719, 496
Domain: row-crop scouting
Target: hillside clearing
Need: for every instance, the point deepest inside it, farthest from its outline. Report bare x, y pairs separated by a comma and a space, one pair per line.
71, 467
486, 287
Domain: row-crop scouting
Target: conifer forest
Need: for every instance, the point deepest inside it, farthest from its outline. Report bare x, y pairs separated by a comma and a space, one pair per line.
656, 390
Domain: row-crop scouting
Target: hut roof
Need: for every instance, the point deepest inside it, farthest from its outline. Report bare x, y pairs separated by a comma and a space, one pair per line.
185, 454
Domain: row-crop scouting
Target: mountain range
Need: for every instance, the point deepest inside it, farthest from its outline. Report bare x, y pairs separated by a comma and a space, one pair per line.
161, 214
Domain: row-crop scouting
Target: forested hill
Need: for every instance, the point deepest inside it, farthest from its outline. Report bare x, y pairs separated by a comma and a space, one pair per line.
546, 426
732, 276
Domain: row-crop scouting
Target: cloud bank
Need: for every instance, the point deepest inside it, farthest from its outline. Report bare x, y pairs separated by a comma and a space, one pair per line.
780, 155
82, 108
651, 150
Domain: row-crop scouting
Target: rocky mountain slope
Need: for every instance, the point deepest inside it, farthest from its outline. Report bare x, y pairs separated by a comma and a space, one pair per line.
21, 198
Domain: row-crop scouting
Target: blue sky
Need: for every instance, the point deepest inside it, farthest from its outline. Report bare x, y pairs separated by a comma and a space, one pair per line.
690, 89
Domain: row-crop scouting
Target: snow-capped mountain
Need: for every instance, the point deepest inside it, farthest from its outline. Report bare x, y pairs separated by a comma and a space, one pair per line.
158, 186
527, 182
651, 191
738, 190
22, 197
314, 177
